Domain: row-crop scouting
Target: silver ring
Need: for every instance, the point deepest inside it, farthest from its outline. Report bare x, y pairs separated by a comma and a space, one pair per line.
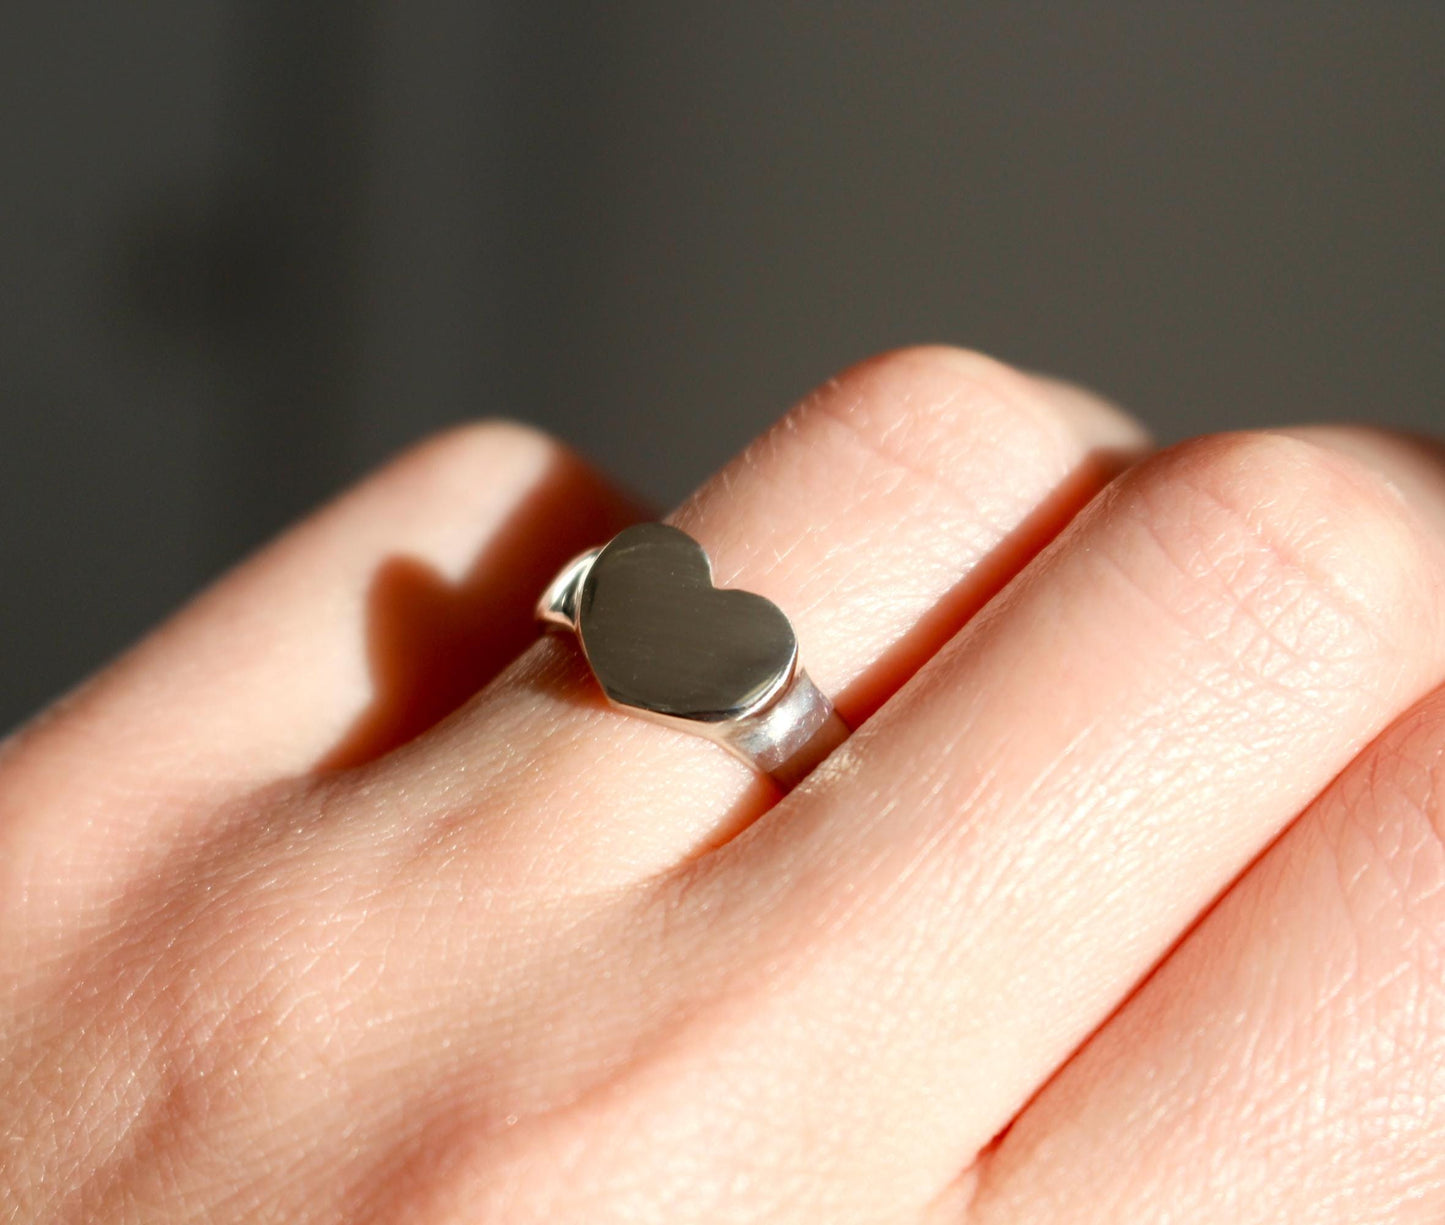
666, 644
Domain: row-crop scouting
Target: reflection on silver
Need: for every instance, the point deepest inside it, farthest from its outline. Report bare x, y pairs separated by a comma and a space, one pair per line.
665, 643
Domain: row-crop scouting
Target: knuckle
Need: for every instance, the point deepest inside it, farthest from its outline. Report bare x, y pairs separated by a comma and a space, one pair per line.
933, 410
488, 444
950, 362
1302, 540
486, 462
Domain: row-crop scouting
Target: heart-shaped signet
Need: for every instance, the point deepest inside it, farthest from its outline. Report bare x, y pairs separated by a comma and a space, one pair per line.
660, 637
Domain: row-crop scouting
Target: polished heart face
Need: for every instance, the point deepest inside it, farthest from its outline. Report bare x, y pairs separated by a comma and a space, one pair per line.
662, 638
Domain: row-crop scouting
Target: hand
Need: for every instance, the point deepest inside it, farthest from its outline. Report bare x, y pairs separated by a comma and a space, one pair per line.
1125, 902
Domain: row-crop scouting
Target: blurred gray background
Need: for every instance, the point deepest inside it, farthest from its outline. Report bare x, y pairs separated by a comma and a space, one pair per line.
248, 249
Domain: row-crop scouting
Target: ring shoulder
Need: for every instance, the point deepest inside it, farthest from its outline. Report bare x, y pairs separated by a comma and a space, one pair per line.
558, 605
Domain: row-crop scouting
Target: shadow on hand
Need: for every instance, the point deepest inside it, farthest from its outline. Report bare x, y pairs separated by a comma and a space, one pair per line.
432, 642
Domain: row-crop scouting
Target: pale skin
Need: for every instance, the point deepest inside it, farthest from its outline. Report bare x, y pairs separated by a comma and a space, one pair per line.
1125, 902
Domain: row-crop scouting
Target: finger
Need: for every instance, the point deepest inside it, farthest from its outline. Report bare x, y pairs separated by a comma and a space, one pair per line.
931, 925
1288, 1062
1285, 1063
1413, 463
351, 633
878, 515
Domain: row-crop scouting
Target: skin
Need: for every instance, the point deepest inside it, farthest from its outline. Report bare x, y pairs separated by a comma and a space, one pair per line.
343, 897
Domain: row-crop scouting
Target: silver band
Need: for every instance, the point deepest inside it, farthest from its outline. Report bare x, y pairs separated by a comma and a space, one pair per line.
666, 644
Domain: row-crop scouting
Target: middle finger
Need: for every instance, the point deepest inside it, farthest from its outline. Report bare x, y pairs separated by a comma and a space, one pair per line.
930, 926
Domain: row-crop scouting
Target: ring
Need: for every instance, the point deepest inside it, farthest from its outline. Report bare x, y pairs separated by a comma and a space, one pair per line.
666, 644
